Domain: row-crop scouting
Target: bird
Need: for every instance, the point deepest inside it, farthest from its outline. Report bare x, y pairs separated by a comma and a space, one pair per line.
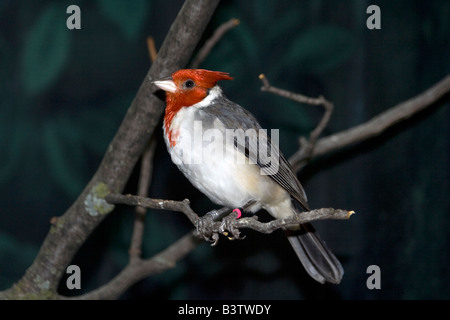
224, 152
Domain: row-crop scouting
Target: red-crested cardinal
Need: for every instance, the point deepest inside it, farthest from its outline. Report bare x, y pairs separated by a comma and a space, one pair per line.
223, 151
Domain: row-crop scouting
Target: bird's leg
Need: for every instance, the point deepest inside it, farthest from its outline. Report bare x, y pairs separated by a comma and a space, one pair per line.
227, 225
228, 222
216, 215
205, 224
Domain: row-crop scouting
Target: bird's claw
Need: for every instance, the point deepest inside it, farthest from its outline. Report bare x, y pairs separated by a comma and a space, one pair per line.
227, 226
205, 226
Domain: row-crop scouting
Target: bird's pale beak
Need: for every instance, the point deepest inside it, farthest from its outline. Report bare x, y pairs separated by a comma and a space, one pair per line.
166, 85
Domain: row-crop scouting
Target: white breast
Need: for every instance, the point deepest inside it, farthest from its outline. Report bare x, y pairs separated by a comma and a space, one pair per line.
216, 168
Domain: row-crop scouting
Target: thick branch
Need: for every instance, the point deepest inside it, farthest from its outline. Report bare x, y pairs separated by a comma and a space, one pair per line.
72, 229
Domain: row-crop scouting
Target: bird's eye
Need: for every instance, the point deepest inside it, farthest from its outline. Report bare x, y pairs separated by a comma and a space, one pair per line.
189, 83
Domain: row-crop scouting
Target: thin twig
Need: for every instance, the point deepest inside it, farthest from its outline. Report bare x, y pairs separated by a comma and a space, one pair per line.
217, 226
139, 269
378, 124
304, 217
132, 200
145, 177
151, 48
211, 42
307, 147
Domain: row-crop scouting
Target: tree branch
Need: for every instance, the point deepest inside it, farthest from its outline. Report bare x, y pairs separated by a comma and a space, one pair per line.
372, 128
378, 124
145, 177
151, 48
71, 230
131, 200
306, 146
218, 226
138, 269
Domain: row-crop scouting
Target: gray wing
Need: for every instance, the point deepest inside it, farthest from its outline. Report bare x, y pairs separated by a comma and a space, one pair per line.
254, 142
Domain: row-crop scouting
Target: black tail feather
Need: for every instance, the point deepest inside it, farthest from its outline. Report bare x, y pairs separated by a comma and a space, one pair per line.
318, 260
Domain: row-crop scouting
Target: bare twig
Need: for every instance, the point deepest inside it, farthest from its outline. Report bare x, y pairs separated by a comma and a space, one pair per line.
168, 258
211, 42
145, 178
306, 147
131, 200
217, 226
304, 217
139, 269
378, 124
317, 147
152, 52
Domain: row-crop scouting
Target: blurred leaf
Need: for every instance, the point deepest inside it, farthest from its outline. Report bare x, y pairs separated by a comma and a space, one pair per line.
129, 16
65, 155
263, 11
6, 56
97, 126
12, 143
46, 49
246, 42
294, 116
287, 25
96, 130
18, 256
3, 4
320, 49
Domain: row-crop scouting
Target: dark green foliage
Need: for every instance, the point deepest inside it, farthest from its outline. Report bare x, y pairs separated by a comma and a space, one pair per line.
320, 49
128, 16
45, 51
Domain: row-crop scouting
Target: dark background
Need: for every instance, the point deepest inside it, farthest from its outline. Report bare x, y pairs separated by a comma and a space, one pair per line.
63, 94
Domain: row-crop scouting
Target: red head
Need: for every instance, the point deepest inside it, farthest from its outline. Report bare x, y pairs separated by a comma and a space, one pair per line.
186, 88
189, 86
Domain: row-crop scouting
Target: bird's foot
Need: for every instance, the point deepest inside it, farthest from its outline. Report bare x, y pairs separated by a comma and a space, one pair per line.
205, 227
227, 226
